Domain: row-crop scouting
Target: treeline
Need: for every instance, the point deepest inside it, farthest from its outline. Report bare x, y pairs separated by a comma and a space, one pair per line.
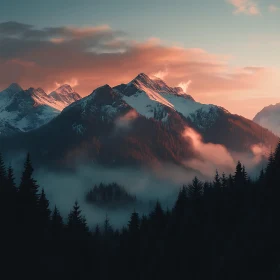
228, 228
110, 195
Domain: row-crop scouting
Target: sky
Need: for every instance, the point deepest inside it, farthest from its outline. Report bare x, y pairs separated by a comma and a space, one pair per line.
224, 52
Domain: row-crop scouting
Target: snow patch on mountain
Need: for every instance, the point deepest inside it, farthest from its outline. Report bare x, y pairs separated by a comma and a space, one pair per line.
142, 103
151, 98
24, 110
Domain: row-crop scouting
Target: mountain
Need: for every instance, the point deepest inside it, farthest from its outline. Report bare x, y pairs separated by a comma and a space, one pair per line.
25, 110
269, 117
151, 98
141, 122
64, 96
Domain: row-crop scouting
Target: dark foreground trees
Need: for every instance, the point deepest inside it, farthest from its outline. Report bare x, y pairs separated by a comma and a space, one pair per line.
225, 229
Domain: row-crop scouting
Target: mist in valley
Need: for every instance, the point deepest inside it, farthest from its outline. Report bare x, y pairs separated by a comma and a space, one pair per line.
161, 183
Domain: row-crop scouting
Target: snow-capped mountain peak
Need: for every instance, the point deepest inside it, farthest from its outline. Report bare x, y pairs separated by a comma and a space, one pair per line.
144, 81
64, 89
149, 96
24, 110
64, 96
103, 95
38, 92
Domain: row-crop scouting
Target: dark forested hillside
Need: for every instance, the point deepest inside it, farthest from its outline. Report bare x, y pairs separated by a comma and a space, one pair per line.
224, 229
110, 195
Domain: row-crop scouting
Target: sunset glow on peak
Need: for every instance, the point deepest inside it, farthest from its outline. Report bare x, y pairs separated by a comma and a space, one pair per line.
226, 68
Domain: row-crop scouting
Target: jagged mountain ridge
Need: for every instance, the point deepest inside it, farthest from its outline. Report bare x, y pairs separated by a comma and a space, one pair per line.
64, 96
25, 110
138, 123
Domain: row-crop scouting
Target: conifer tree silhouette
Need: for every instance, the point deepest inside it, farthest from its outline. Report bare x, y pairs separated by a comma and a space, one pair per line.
77, 225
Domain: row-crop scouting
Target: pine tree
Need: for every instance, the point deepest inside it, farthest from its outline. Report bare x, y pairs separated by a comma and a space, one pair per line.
206, 188
56, 223
27, 198
157, 212
261, 176
158, 219
245, 175
270, 172
28, 189
10, 200
11, 185
97, 232
7, 201
224, 181
195, 189
108, 230
277, 156
180, 207
3, 181
239, 176
230, 182
271, 161
77, 225
44, 211
217, 182
3, 174
134, 224
144, 224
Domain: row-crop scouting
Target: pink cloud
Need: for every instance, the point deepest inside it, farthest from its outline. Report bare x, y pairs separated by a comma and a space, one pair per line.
273, 8
124, 122
95, 56
57, 40
210, 156
248, 7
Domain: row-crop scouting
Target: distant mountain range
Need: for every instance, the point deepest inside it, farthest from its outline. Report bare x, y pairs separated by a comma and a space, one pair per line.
141, 122
25, 110
269, 117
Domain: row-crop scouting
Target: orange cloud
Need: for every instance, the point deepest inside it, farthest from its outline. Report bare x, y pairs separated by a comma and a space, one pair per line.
95, 56
248, 7
57, 40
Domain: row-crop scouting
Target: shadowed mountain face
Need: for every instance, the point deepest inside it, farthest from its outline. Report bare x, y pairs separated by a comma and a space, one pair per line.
25, 110
140, 123
269, 117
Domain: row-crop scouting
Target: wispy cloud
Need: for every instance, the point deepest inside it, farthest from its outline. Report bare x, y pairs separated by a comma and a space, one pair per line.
184, 85
248, 7
273, 8
88, 57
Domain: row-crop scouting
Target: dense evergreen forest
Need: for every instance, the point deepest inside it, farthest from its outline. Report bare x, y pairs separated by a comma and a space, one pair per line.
225, 229
111, 195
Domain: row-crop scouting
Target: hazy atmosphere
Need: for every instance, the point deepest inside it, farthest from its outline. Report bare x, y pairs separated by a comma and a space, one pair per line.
222, 51
139, 139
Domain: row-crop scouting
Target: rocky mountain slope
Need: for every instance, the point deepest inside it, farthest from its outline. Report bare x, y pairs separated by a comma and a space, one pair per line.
141, 122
